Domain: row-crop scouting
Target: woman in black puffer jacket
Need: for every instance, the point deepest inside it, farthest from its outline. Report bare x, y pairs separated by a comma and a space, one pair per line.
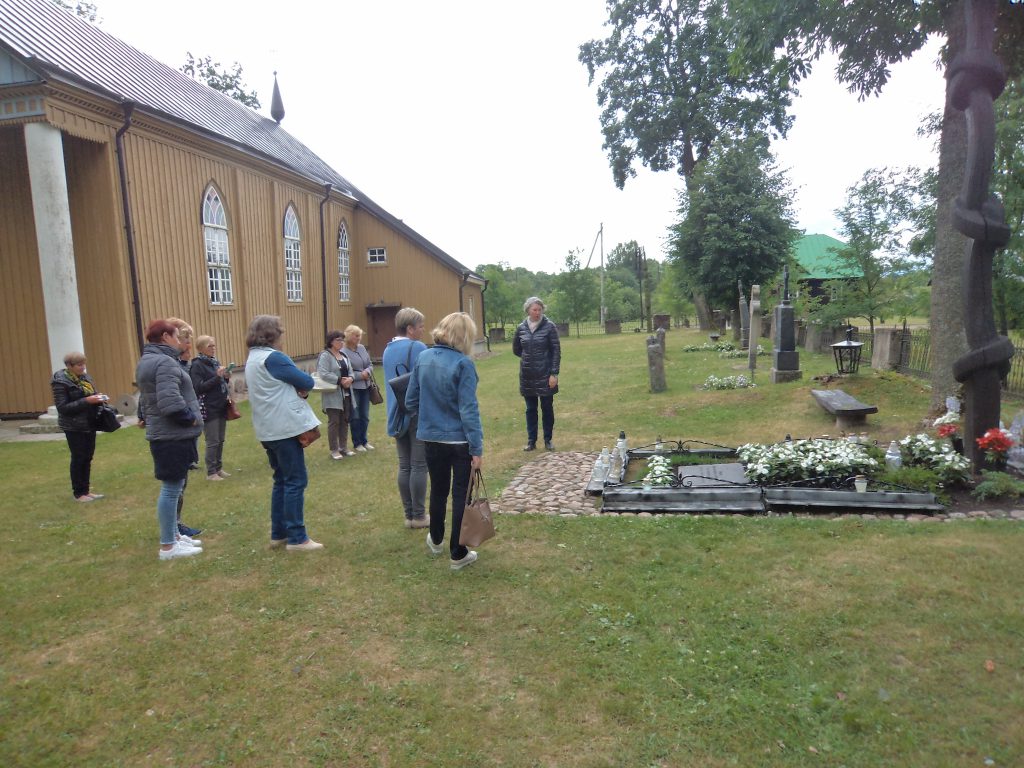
76, 399
540, 355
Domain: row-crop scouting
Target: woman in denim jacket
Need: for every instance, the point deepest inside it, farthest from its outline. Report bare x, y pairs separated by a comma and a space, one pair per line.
442, 392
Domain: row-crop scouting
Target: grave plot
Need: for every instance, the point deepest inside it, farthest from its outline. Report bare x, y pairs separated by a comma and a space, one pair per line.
705, 478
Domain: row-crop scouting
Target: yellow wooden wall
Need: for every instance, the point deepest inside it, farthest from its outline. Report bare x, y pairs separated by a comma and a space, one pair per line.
101, 264
412, 277
169, 171
25, 375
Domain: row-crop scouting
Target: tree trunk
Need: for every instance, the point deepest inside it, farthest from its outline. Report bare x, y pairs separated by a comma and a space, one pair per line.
948, 340
700, 304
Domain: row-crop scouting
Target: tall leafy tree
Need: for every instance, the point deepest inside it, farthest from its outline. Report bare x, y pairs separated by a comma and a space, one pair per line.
868, 38
501, 300
875, 225
669, 89
1008, 182
227, 80
735, 222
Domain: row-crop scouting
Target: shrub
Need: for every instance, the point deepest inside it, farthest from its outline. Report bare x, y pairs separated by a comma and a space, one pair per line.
997, 485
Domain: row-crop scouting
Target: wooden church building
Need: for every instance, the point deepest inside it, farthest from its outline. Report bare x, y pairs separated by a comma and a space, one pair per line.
129, 191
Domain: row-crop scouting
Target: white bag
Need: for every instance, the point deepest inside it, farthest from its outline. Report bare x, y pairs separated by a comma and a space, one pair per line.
319, 385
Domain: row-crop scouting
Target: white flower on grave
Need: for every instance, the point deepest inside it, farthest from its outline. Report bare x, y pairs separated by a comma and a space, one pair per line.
659, 471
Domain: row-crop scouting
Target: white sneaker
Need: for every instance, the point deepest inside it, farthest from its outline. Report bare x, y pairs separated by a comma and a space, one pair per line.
190, 541
359, 448
337, 455
368, 447
469, 559
179, 549
214, 477
435, 549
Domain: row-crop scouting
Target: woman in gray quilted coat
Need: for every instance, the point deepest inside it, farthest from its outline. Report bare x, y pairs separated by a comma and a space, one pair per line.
173, 423
540, 355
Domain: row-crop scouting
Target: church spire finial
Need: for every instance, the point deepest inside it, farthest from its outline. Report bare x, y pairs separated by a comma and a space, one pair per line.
276, 104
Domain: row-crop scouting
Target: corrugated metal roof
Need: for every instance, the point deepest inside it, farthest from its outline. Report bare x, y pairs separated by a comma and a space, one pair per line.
62, 47
816, 256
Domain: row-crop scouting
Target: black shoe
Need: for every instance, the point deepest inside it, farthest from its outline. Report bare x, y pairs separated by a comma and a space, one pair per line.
531, 446
548, 445
184, 530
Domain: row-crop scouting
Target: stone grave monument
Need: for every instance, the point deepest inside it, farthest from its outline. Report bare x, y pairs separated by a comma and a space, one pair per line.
785, 358
755, 328
744, 318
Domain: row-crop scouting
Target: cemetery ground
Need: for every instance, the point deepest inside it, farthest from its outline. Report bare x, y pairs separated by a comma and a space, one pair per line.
586, 641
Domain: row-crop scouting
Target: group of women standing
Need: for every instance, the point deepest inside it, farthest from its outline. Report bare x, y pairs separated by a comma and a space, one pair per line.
436, 426
345, 363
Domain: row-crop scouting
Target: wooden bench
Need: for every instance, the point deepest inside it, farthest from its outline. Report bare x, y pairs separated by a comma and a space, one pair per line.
849, 411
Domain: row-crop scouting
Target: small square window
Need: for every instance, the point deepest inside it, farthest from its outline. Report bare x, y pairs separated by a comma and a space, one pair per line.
377, 256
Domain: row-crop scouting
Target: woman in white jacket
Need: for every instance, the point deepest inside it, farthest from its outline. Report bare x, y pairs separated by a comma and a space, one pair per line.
280, 413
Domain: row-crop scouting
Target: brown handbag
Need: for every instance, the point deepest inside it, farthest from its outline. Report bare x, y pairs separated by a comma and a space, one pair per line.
376, 397
477, 520
309, 437
231, 412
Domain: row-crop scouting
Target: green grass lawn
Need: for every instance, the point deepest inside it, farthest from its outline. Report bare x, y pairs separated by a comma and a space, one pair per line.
616, 641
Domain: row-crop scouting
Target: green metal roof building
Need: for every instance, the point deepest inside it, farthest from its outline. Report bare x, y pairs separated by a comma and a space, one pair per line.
815, 255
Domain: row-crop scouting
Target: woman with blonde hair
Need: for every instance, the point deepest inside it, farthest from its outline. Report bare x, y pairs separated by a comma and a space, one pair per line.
361, 367
442, 392
210, 380
400, 358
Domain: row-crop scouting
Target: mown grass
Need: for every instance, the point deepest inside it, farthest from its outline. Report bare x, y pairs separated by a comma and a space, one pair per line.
614, 641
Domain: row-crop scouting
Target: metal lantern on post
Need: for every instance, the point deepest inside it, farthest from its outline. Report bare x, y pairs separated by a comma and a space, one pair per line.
847, 353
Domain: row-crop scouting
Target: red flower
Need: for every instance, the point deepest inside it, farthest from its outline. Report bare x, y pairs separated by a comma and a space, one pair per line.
995, 441
948, 430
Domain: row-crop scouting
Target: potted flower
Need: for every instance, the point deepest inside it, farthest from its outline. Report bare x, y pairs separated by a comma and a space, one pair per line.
995, 443
952, 433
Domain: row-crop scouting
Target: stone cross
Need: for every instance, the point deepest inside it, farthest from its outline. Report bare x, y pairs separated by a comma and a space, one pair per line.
755, 327
744, 318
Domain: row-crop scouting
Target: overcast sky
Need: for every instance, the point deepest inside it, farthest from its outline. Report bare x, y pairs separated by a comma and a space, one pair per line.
473, 122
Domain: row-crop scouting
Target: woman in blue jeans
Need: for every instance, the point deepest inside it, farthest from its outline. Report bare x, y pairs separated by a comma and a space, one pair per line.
280, 413
442, 392
173, 423
361, 367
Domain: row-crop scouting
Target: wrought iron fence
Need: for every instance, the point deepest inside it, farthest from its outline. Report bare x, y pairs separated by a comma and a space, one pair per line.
916, 360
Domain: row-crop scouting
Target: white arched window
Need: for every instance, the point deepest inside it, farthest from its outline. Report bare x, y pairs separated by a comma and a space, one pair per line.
218, 258
292, 256
344, 284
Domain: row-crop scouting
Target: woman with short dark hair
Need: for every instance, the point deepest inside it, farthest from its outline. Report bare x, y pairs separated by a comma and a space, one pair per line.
76, 399
333, 367
280, 414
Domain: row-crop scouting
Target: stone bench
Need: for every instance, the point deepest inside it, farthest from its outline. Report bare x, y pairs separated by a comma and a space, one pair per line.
848, 410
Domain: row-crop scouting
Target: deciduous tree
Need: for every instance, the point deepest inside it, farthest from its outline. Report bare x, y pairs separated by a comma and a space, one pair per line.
735, 222
226, 80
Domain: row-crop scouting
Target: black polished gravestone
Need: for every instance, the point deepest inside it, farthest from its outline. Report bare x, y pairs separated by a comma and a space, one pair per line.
785, 358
